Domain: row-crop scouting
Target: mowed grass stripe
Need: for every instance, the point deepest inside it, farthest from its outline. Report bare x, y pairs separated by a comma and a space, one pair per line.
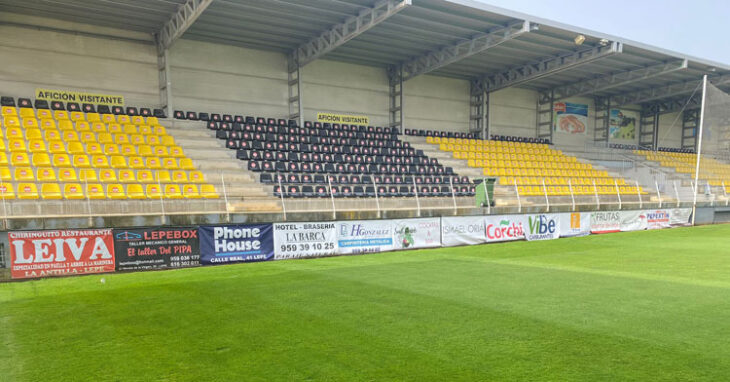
482, 312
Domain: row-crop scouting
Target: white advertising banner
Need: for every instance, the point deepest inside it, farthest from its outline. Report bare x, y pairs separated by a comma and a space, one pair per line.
657, 219
680, 217
462, 230
605, 221
541, 226
416, 233
364, 236
633, 220
299, 240
574, 224
504, 228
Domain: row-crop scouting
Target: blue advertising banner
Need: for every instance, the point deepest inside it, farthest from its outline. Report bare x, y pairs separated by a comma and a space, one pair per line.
236, 243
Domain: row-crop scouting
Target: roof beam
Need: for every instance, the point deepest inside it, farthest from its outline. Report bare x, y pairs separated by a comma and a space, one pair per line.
346, 31
666, 91
613, 80
479, 43
180, 22
548, 66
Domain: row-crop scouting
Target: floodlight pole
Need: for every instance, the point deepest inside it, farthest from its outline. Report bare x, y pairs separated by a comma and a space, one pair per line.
658, 193
544, 191
638, 193
572, 196
699, 146
618, 194
517, 192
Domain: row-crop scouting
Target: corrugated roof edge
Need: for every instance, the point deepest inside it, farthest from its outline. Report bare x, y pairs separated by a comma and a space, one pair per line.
571, 28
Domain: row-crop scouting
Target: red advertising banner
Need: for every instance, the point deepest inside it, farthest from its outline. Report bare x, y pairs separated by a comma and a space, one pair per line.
60, 253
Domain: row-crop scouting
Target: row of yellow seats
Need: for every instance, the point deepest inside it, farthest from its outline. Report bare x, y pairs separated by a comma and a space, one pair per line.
508, 156
522, 164
482, 142
75, 191
96, 161
507, 150
98, 127
76, 147
578, 190
48, 174
103, 138
559, 181
492, 171
25, 112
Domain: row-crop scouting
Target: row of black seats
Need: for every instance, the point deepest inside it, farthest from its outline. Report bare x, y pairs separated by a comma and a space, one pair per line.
261, 124
323, 149
339, 168
296, 178
237, 143
622, 146
326, 158
510, 138
436, 133
230, 129
86, 107
676, 150
323, 191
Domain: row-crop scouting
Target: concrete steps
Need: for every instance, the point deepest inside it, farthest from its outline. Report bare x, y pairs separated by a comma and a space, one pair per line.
432, 151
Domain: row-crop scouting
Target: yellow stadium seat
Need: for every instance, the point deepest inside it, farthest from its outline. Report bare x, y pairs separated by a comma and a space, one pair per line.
56, 147
135, 191
127, 176
41, 160
93, 117
83, 127
118, 161
95, 191
64, 126
6, 191
67, 175
77, 116
30, 123
44, 114
73, 191
160, 151
19, 159
105, 138
88, 136
167, 140
190, 191
61, 160
196, 177
153, 163
33, 134
137, 139
129, 129
27, 191
27, 112
99, 161
152, 121
24, 174
159, 130
99, 127
107, 176
153, 191
69, 136
128, 150
179, 176
108, 118
123, 119
14, 133
186, 164
52, 135
37, 146
2, 145
144, 129
169, 163
144, 150
51, 191
145, 176
208, 191
138, 120
81, 161
162, 176
121, 139
115, 128
9, 111
16, 145
111, 149
88, 175
153, 140
75, 147
94, 148
5, 174
11, 122
172, 191
115, 191
136, 162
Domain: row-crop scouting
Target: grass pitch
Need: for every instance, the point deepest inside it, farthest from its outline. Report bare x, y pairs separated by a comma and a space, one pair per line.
651, 305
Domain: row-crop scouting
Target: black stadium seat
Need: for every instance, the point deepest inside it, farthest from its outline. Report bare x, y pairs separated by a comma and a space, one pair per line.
7, 101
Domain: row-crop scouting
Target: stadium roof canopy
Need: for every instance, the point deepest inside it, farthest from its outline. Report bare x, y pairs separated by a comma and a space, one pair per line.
491, 46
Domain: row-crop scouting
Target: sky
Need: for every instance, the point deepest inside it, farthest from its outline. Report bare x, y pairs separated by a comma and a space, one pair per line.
693, 27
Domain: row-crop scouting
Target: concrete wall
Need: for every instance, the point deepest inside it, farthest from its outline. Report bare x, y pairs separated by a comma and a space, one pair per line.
94, 59
670, 130
436, 103
513, 112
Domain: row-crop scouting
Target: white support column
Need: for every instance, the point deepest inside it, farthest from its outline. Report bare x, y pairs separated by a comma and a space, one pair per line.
165, 83
294, 81
395, 80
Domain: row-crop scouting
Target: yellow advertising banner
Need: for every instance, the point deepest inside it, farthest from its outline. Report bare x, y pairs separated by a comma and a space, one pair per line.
342, 118
80, 97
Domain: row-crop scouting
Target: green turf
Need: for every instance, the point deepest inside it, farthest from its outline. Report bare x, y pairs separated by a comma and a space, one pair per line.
649, 305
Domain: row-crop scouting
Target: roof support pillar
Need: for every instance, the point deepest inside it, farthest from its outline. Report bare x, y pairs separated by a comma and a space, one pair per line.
294, 78
165, 84
478, 110
602, 119
649, 127
395, 80
545, 116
